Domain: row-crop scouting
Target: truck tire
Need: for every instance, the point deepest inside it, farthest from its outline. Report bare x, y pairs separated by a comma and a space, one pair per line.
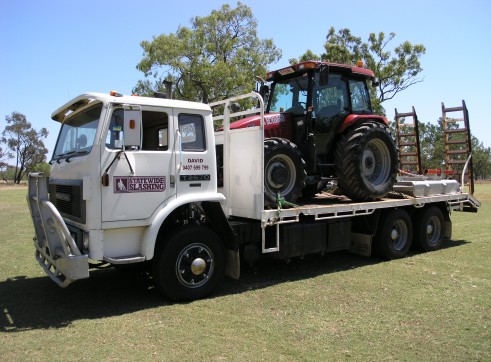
429, 229
366, 161
189, 264
284, 171
394, 234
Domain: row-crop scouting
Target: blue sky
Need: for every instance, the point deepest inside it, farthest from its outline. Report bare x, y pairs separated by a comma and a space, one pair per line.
54, 50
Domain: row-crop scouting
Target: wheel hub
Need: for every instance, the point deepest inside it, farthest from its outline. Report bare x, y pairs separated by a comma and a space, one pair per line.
394, 235
429, 229
376, 162
198, 266
279, 174
195, 265
369, 162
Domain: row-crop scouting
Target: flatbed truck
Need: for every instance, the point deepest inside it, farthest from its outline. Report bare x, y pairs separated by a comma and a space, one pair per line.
150, 180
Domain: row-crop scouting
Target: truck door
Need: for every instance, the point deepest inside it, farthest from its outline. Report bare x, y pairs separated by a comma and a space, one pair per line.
196, 173
136, 196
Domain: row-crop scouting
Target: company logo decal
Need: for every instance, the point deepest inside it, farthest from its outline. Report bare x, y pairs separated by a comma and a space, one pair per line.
129, 184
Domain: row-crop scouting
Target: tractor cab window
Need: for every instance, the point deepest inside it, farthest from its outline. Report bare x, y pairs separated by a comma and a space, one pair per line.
331, 99
360, 98
290, 96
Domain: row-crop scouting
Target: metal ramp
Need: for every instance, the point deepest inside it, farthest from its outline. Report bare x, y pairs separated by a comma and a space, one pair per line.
458, 147
408, 142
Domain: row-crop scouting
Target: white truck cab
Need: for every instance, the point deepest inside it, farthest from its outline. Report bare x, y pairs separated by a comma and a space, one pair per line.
121, 166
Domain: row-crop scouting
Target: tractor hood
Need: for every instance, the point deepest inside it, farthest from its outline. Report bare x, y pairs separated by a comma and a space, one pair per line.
271, 120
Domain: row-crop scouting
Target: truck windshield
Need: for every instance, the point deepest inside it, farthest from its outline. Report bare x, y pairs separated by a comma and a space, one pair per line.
77, 133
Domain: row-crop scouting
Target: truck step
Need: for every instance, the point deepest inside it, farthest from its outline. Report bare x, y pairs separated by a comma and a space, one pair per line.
128, 259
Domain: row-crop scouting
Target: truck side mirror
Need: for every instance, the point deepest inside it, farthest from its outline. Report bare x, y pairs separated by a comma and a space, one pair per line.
132, 128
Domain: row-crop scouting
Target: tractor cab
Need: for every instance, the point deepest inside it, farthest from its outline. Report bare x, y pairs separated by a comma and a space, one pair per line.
318, 97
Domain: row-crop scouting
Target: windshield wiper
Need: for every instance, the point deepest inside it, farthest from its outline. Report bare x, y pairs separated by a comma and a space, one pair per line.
76, 153
69, 155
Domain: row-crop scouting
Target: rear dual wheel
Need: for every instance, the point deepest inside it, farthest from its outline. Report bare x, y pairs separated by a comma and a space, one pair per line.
397, 232
429, 226
394, 235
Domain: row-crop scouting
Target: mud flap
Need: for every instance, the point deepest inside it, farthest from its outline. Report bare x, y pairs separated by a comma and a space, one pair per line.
232, 265
361, 244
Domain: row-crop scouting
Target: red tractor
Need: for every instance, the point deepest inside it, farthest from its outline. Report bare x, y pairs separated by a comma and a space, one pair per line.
320, 127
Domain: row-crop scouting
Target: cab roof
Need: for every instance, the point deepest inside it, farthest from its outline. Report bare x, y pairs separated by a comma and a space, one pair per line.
86, 99
310, 64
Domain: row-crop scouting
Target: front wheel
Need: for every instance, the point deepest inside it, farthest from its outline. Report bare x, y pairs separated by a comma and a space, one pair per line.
394, 234
284, 171
366, 161
189, 264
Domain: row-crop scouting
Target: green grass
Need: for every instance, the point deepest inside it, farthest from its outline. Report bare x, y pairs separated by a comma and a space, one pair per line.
432, 306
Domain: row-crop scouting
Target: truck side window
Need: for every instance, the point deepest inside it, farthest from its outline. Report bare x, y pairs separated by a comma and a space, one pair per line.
114, 138
192, 131
155, 131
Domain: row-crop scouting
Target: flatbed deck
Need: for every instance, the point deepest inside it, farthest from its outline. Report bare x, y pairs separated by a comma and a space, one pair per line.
326, 205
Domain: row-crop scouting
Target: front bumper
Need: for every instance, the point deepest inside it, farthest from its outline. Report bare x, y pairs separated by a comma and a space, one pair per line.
56, 250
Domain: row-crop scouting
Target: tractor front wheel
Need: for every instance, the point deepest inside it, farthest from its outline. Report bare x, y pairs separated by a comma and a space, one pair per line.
284, 171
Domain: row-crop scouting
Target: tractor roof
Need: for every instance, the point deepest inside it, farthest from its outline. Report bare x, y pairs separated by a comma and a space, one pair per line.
304, 66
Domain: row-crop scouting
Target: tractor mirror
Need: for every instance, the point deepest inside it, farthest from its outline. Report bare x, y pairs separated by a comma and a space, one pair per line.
235, 107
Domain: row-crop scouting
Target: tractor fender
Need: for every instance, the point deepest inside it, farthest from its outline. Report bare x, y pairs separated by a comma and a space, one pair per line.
355, 118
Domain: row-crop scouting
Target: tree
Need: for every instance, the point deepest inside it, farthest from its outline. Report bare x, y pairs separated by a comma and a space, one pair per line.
215, 59
25, 143
481, 159
3, 164
43, 167
432, 149
308, 55
394, 72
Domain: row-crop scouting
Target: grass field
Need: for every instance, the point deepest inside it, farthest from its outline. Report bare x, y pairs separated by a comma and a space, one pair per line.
429, 307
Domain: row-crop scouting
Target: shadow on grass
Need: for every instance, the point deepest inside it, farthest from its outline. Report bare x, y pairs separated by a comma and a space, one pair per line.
38, 303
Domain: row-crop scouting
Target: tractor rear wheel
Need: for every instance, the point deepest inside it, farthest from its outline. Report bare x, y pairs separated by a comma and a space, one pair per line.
366, 161
284, 171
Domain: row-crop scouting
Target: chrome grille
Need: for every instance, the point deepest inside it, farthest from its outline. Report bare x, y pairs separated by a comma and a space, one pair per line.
66, 195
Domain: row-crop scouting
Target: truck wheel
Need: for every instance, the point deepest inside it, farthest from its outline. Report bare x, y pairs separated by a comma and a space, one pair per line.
189, 264
366, 161
428, 229
394, 235
284, 171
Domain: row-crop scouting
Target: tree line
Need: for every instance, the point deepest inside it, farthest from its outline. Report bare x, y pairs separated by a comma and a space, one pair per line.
219, 55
